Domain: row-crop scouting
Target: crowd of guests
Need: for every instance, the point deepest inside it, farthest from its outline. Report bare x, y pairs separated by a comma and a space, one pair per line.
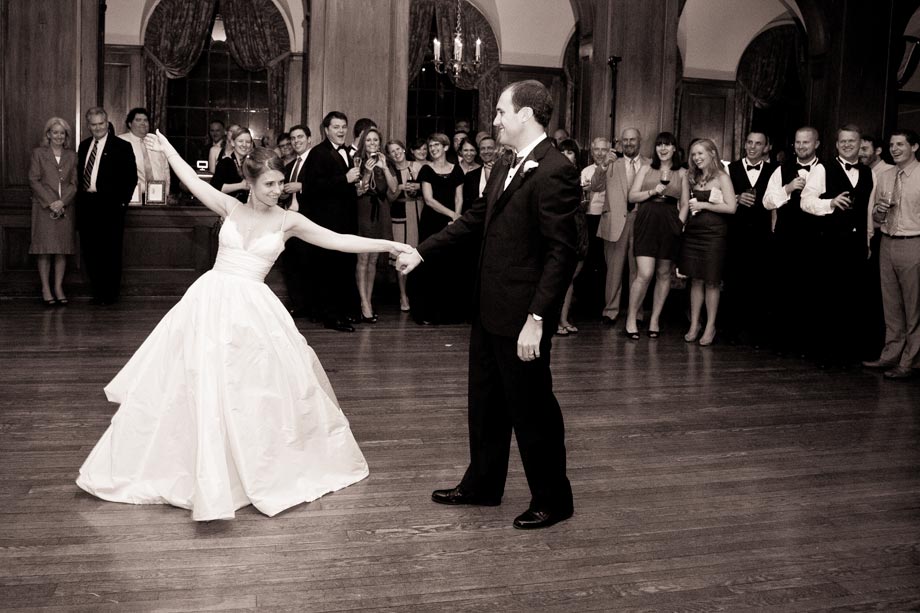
810, 258
815, 257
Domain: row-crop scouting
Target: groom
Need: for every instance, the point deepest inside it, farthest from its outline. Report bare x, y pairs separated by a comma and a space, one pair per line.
527, 259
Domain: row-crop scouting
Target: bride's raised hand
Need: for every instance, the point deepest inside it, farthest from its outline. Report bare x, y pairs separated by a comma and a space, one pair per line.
156, 142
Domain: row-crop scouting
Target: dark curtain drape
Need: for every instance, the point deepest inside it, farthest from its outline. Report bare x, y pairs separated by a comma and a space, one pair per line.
420, 14
474, 26
762, 74
175, 36
258, 40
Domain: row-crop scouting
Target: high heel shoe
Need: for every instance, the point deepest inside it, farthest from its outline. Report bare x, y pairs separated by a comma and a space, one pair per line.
369, 320
633, 336
692, 335
707, 341
49, 303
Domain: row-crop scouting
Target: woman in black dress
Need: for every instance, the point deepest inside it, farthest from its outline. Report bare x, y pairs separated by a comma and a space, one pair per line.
228, 176
655, 190
434, 292
373, 212
706, 198
570, 150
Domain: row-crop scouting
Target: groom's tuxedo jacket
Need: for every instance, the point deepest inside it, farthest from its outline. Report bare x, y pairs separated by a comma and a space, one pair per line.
528, 256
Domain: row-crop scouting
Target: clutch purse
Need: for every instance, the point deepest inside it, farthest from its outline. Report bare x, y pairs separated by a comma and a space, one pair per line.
702, 195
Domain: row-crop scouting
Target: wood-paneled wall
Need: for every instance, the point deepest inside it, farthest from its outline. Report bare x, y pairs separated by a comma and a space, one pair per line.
853, 59
707, 110
644, 35
359, 62
124, 82
49, 51
48, 69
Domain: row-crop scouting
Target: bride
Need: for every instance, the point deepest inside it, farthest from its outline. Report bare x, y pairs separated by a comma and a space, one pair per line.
224, 404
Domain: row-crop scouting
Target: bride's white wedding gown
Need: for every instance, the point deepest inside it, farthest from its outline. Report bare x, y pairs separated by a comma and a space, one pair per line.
225, 404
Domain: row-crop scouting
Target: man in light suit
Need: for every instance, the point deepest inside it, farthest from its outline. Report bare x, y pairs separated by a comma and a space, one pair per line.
527, 259
614, 177
106, 178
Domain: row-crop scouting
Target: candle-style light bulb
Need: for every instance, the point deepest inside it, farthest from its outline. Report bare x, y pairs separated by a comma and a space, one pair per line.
478, 49
458, 48
437, 50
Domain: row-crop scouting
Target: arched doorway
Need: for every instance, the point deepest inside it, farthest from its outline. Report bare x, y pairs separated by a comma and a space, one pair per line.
192, 78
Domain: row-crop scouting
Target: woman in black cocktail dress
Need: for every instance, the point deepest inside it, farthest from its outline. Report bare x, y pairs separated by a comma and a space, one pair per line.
706, 199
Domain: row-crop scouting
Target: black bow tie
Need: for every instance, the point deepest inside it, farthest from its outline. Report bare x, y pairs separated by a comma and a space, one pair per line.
344, 148
750, 168
805, 167
846, 165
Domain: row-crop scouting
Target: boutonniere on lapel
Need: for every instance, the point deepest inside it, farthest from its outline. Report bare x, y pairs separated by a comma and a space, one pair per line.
529, 167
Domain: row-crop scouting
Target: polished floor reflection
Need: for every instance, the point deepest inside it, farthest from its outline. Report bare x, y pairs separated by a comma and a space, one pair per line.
705, 479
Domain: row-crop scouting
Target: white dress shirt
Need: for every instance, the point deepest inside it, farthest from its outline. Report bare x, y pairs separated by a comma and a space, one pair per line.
159, 166
776, 195
596, 205
816, 184
100, 145
523, 153
753, 175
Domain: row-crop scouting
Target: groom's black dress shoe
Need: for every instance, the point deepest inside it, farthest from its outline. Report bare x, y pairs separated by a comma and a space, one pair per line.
532, 520
338, 324
455, 496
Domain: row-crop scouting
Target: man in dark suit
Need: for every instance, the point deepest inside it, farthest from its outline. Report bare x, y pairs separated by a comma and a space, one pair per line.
295, 263
329, 175
527, 259
108, 175
749, 242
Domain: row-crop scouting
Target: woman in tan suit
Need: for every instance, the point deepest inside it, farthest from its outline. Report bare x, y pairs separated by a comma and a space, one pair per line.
53, 178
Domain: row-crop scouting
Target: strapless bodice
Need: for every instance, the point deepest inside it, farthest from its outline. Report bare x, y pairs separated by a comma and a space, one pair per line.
250, 262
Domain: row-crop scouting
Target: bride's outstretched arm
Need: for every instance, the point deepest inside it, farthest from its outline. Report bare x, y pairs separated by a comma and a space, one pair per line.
312, 233
207, 195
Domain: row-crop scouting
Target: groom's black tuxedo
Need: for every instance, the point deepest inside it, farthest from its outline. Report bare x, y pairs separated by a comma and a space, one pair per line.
526, 262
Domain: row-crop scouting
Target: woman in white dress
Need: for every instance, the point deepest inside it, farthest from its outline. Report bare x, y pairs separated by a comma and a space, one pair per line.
224, 404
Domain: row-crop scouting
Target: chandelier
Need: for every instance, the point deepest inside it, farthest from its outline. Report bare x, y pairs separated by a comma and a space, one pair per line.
456, 65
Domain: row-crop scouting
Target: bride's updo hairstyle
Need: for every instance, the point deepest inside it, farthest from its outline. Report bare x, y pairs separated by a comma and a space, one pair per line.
261, 160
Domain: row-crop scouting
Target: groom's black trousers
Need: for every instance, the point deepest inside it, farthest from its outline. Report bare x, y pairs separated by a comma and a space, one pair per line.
508, 394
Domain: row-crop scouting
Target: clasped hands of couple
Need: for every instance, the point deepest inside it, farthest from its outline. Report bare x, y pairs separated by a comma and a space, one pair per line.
528, 342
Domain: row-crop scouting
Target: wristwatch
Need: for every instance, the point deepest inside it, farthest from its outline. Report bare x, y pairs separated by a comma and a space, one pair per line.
536, 317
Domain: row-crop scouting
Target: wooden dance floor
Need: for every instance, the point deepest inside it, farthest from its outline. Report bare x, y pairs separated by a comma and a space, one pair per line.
705, 479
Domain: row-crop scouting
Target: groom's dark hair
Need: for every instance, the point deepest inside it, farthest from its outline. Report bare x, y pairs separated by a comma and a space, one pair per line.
534, 94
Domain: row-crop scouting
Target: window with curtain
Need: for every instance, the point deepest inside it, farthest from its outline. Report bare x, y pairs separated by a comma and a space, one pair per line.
216, 88
435, 103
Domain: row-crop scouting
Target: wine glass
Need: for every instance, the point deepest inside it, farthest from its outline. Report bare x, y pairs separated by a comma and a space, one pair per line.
665, 176
884, 197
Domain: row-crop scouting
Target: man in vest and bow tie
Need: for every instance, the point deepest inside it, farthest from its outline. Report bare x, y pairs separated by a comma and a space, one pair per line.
837, 194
